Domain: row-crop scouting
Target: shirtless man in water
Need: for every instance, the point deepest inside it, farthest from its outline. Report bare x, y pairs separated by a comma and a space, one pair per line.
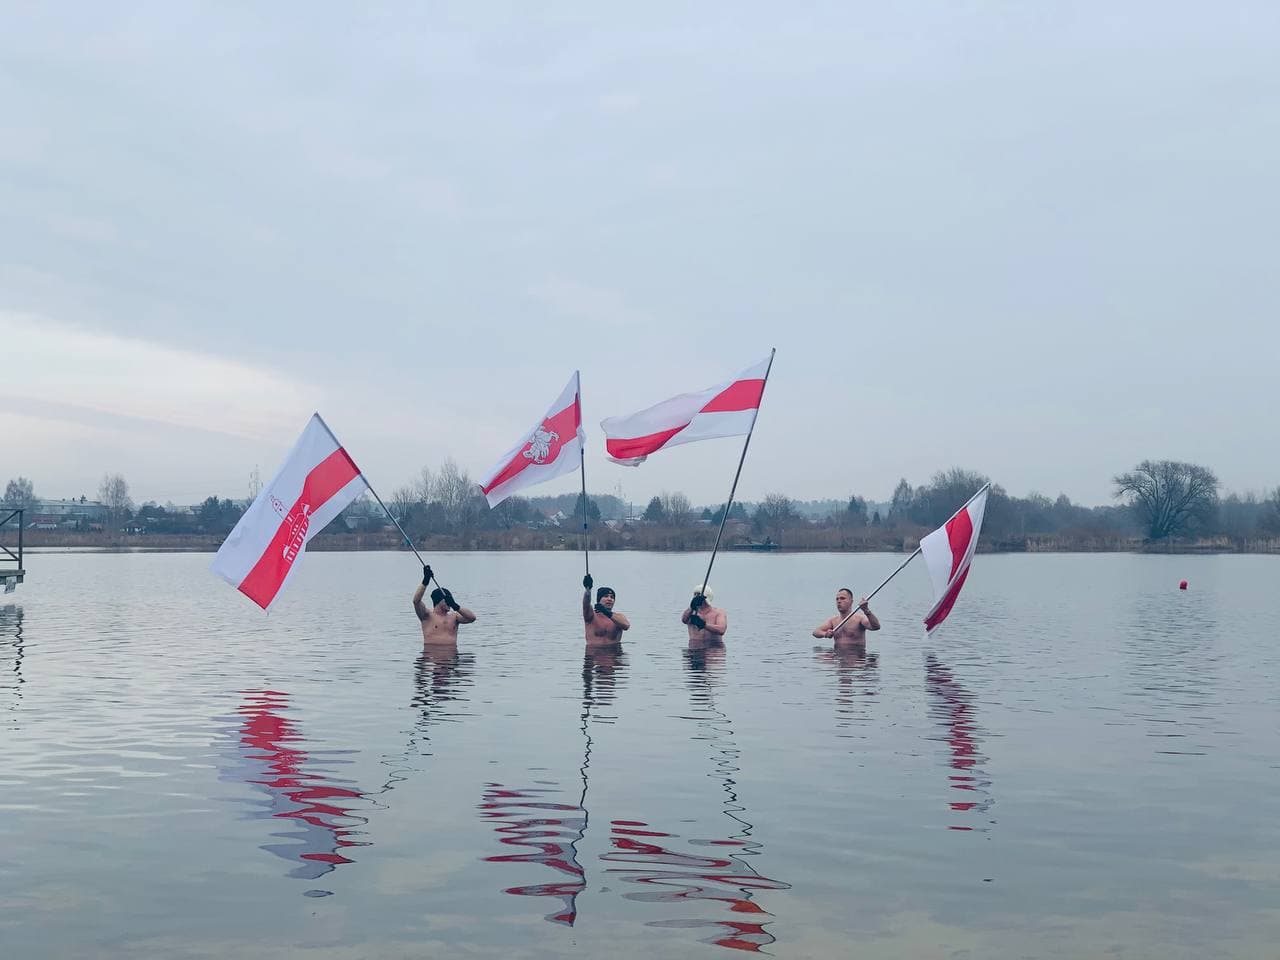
707, 624
440, 623
855, 628
604, 625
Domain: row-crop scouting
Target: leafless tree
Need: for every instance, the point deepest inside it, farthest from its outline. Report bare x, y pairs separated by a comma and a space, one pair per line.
19, 493
511, 511
677, 509
425, 487
454, 491
403, 502
1169, 497
775, 513
113, 493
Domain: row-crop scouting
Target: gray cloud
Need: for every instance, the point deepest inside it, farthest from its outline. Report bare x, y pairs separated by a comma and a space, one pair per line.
1033, 240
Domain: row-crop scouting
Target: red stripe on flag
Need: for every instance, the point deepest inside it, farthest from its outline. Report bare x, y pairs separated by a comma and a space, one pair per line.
564, 424
739, 395
325, 479
626, 448
959, 535
940, 612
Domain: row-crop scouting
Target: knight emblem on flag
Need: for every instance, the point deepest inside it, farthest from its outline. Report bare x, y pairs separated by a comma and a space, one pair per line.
540, 446
552, 448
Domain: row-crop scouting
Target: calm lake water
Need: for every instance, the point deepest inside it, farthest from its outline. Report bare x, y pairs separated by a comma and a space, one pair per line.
1084, 762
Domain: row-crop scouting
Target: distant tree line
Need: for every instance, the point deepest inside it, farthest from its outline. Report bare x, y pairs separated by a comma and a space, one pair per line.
1158, 501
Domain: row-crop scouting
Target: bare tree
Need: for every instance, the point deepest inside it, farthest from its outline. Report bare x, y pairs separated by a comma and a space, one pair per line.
946, 493
425, 487
677, 509
404, 500
1239, 516
511, 511
113, 493
454, 491
1169, 497
19, 493
775, 513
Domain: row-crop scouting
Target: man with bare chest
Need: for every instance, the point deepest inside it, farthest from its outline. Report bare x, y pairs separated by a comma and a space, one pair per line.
604, 625
440, 622
854, 629
707, 624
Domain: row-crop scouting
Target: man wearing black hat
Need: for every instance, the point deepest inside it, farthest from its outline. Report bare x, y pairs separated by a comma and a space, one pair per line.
440, 623
604, 625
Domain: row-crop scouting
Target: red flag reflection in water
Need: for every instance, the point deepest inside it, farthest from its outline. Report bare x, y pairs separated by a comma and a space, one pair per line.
313, 802
543, 832
677, 877
953, 708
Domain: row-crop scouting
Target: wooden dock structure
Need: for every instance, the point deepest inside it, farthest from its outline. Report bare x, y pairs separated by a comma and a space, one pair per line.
10, 561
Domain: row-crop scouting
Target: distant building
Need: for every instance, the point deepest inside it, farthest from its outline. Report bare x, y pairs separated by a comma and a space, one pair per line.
82, 514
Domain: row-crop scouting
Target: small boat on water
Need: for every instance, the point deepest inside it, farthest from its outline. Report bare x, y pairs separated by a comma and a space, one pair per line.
765, 544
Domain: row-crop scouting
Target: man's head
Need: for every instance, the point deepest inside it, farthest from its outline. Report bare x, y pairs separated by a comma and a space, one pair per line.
437, 597
606, 596
844, 600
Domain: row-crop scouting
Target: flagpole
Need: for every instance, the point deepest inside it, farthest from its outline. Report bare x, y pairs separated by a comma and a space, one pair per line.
741, 460
582, 465
904, 563
389, 514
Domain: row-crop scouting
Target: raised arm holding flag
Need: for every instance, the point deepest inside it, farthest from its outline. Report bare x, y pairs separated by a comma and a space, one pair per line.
554, 446
317, 481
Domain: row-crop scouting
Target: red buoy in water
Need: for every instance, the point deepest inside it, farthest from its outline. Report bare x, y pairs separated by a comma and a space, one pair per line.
1182, 585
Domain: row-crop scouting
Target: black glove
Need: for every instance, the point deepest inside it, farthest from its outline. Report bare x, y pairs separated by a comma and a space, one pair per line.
449, 602
587, 582
426, 575
697, 602
601, 608
697, 621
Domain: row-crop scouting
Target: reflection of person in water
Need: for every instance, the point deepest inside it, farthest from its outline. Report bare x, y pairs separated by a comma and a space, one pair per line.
651, 858
602, 671
857, 675
441, 675
953, 709
316, 805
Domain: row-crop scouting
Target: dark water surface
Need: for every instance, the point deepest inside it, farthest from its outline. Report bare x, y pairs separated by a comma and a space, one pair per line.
1083, 763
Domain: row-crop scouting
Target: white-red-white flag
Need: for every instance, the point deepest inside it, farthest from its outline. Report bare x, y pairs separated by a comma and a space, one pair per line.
316, 481
552, 448
948, 552
726, 410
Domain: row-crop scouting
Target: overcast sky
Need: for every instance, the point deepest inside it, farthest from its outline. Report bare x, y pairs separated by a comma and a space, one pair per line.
1028, 239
